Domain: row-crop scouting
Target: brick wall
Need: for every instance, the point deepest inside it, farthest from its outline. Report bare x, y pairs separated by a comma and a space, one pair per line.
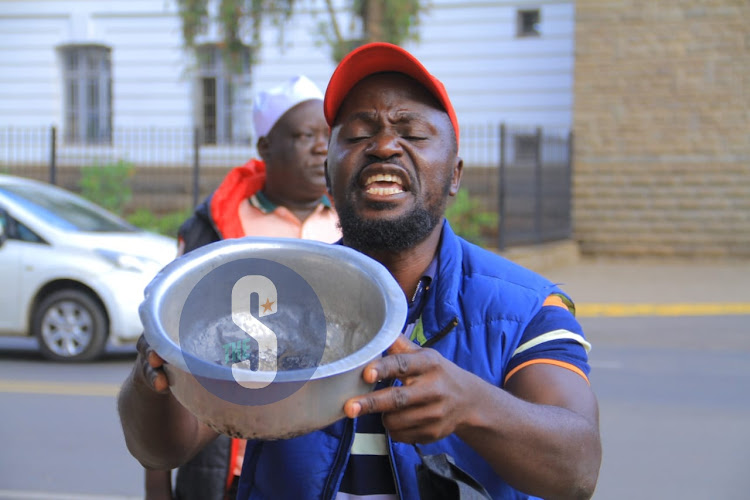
662, 124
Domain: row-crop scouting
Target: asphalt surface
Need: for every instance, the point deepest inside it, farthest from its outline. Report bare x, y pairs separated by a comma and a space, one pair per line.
671, 367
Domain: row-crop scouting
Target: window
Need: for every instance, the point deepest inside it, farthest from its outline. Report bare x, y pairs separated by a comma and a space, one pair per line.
527, 23
14, 230
220, 119
23, 233
526, 147
87, 79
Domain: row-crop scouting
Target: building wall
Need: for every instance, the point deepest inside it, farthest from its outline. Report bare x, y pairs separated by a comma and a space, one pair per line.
662, 126
492, 75
147, 61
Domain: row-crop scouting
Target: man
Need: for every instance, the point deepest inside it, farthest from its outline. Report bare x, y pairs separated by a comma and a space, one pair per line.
503, 386
281, 195
284, 193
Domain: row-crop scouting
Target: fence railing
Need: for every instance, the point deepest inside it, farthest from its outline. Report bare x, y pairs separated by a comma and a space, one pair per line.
522, 174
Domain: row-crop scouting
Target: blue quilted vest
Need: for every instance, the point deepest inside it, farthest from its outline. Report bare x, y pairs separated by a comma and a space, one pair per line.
477, 313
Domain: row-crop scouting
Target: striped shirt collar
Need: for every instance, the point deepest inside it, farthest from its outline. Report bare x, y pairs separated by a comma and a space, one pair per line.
266, 206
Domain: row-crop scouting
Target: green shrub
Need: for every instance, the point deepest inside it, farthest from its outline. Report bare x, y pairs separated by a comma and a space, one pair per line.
469, 221
166, 224
108, 185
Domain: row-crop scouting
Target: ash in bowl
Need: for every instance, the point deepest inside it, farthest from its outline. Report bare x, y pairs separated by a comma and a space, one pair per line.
222, 342
256, 318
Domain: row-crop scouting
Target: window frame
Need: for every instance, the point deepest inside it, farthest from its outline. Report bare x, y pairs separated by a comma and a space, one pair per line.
219, 117
87, 93
522, 31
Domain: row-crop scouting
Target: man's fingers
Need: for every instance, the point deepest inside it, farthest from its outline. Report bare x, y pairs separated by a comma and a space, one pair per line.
159, 381
155, 360
143, 347
391, 366
384, 368
352, 408
384, 400
410, 425
404, 359
154, 377
151, 370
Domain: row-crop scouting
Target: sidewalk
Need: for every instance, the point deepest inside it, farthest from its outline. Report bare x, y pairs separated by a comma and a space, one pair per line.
627, 287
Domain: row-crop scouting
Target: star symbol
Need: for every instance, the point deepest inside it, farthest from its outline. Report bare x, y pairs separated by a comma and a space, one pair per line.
267, 306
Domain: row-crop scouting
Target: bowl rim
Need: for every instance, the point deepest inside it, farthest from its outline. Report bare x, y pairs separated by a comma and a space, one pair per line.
394, 302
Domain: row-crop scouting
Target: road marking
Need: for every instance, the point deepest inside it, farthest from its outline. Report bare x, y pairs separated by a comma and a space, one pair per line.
623, 310
43, 495
58, 388
584, 310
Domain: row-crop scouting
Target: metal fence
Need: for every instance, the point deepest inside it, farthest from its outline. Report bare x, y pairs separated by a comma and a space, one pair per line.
522, 174
534, 188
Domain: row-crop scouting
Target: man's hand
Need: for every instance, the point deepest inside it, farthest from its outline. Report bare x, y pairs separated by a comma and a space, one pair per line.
429, 406
159, 432
542, 441
149, 367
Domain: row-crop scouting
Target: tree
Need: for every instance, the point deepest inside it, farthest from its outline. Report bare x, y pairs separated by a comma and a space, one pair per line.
241, 23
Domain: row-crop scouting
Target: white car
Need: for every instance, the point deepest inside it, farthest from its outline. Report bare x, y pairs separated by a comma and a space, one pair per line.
71, 273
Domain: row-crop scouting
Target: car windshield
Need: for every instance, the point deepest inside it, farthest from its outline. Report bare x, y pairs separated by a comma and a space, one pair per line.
65, 210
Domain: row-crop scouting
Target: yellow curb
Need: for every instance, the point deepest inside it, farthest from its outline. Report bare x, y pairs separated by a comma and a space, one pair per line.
623, 310
57, 388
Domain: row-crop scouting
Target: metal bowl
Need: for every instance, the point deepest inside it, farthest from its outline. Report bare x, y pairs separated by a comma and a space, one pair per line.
335, 310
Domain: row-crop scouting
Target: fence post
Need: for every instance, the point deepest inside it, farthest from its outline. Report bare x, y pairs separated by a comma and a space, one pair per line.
501, 192
569, 187
196, 165
53, 155
538, 206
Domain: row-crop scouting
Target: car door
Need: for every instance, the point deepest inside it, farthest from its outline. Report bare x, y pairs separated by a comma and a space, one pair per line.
11, 256
22, 252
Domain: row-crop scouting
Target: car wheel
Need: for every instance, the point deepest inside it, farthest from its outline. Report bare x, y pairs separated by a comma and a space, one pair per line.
70, 326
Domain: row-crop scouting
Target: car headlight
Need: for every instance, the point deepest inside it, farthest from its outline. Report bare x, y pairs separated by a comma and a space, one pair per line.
128, 262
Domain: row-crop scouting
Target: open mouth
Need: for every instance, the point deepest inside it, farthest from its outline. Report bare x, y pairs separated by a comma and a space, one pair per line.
382, 184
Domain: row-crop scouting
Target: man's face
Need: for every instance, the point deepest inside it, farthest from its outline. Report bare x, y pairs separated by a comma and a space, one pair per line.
392, 163
295, 151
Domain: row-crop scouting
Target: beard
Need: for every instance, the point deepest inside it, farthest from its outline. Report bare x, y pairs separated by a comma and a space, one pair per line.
392, 235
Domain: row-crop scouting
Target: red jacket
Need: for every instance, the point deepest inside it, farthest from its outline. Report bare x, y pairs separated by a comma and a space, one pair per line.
217, 218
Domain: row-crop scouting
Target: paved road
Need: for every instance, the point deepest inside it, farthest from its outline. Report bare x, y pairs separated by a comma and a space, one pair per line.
675, 406
674, 414
60, 435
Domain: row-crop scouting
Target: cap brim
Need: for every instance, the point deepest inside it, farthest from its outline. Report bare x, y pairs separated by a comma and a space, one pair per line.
374, 58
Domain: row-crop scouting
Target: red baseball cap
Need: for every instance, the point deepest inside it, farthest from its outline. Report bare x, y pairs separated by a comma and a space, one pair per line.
379, 57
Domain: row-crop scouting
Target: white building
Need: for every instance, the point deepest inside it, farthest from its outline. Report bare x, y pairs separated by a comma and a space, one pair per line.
97, 68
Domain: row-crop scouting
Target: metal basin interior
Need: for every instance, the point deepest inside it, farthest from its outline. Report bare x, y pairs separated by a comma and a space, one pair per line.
364, 307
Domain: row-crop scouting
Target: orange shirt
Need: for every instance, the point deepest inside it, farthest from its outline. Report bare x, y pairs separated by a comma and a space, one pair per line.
260, 217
